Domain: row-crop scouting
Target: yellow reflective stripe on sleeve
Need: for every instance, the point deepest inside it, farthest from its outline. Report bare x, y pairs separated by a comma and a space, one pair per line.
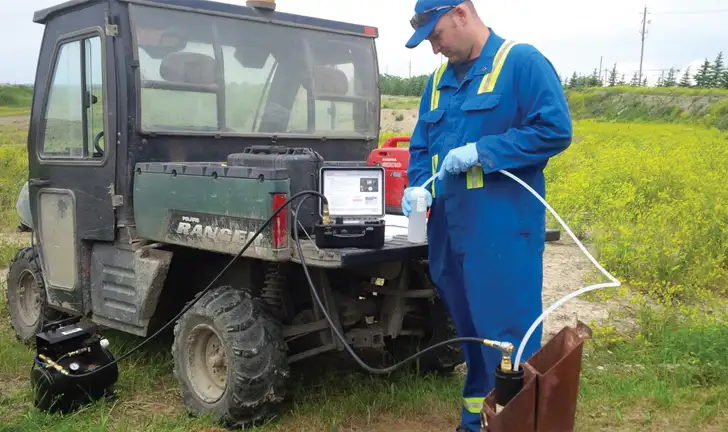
473, 405
474, 177
434, 170
435, 97
488, 83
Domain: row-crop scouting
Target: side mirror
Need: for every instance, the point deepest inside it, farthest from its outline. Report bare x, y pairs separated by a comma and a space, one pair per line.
91, 99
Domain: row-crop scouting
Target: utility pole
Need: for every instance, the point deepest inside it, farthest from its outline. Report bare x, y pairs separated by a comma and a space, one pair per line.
643, 33
410, 68
601, 58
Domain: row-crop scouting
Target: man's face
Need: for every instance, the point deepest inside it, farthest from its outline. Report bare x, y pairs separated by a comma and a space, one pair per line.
449, 37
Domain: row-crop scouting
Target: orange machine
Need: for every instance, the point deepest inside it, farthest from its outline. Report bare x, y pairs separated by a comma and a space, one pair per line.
395, 161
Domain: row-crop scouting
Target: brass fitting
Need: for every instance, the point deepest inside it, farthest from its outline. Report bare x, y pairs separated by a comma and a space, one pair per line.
326, 219
53, 364
506, 349
78, 351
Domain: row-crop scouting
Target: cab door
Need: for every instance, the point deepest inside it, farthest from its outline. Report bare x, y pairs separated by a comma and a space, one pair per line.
72, 151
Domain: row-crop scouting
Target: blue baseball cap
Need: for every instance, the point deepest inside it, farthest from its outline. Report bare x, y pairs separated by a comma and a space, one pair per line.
427, 13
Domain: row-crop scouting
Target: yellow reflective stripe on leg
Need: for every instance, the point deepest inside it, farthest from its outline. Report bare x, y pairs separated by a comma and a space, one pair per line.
435, 97
489, 80
434, 170
473, 405
474, 177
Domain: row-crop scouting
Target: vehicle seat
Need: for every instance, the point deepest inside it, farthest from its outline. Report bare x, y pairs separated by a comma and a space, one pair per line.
331, 81
188, 68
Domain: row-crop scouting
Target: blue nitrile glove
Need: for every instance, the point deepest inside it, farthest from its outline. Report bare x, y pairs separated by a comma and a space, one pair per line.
459, 159
407, 200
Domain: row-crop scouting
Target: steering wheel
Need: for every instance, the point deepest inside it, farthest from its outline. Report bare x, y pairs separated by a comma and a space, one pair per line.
96, 143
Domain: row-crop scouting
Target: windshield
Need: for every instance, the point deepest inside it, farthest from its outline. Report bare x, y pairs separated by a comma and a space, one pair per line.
216, 74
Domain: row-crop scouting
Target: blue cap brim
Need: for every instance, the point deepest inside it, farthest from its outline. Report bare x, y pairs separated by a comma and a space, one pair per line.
423, 32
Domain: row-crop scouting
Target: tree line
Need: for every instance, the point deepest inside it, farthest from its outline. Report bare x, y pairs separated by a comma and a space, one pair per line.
398, 86
710, 75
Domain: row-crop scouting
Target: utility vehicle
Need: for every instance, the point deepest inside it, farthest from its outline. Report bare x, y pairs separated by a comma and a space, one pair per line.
143, 114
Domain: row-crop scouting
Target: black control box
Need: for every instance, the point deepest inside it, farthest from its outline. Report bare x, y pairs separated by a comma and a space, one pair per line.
364, 235
355, 195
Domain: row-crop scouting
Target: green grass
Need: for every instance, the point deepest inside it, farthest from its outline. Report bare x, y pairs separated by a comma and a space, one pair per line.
12, 111
15, 95
672, 374
683, 91
648, 380
400, 102
15, 100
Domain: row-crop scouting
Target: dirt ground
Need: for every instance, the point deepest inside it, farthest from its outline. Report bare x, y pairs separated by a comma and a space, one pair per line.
398, 120
19, 121
565, 267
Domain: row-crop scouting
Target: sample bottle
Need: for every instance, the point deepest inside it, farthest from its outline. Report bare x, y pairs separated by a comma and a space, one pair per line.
417, 226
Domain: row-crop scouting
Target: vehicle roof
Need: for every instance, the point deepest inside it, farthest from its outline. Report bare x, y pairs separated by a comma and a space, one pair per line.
42, 16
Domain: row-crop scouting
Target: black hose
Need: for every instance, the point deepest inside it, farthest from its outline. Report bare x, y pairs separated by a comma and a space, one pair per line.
202, 293
336, 330
306, 195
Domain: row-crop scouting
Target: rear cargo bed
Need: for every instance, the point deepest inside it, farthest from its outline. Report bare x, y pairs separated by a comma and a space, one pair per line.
396, 248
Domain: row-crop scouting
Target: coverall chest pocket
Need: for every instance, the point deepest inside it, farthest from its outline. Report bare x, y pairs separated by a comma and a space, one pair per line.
482, 109
434, 125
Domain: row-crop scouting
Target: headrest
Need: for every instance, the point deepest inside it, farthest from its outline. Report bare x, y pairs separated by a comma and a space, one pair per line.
330, 81
188, 68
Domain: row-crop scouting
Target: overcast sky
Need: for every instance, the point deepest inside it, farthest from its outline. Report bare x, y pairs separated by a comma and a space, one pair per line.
573, 34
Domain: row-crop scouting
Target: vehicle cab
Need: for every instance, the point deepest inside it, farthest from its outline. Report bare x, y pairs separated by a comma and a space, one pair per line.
121, 82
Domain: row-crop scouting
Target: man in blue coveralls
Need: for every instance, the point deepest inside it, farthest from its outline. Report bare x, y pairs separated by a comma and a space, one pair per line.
496, 105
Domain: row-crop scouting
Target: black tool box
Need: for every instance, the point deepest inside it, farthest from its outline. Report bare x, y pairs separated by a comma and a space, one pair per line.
301, 163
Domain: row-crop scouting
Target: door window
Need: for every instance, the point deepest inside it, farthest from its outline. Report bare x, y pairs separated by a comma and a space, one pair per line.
73, 121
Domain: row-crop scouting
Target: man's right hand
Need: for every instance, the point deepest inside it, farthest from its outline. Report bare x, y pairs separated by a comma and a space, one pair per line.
407, 200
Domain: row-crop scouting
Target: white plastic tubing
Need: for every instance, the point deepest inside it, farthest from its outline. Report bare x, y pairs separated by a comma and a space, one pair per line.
614, 282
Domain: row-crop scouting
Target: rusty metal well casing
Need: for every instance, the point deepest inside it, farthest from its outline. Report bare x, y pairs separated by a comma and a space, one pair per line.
547, 402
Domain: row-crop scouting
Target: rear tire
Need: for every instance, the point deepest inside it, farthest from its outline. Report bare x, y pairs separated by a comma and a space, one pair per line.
230, 358
26, 296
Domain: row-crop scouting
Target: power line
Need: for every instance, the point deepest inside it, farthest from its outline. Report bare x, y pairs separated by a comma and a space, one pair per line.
690, 12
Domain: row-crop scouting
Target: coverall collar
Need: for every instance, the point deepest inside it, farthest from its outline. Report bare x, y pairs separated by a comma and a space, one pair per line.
482, 65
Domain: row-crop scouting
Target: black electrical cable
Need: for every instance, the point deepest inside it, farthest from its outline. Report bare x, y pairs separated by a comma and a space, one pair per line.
336, 330
202, 293
305, 194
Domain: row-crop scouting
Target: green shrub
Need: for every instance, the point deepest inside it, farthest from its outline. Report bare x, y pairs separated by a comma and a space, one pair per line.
653, 201
16, 96
705, 107
13, 174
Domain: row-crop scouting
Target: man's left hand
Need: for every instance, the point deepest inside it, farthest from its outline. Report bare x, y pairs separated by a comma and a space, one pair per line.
458, 160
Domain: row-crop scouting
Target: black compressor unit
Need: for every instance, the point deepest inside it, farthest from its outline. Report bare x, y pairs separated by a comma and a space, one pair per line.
66, 372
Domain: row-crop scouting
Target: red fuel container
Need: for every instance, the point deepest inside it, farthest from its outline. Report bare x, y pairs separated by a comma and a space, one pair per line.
395, 161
